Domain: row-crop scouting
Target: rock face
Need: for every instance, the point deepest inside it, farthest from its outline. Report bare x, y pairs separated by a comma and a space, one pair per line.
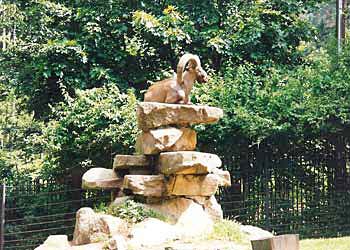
154, 115
101, 178
147, 185
196, 185
166, 139
188, 162
127, 161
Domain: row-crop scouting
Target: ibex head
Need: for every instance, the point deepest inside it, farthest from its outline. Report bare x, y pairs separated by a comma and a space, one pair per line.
191, 64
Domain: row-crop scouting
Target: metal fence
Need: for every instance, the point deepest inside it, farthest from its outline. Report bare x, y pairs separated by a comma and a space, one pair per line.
294, 191
34, 211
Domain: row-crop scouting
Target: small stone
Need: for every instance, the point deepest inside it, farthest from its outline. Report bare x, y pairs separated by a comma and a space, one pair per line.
188, 162
147, 185
127, 161
101, 178
193, 185
255, 233
166, 139
154, 115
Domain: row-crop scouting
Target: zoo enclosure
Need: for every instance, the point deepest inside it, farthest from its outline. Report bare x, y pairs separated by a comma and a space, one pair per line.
287, 189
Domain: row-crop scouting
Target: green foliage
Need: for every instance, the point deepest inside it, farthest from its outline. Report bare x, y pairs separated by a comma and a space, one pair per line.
89, 130
265, 102
19, 151
130, 210
68, 45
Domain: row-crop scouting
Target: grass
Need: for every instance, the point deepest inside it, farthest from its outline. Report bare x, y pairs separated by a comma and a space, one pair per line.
326, 244
228, 230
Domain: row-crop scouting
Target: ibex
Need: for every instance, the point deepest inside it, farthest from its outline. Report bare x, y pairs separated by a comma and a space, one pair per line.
177, 90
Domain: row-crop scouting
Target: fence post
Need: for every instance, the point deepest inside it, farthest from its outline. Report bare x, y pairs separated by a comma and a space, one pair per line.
267, 200
2, 216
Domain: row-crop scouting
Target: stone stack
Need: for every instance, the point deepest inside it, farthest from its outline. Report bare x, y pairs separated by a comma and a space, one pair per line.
166, 173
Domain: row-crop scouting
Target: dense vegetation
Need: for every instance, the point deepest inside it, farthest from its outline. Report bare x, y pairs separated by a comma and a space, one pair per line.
71, 73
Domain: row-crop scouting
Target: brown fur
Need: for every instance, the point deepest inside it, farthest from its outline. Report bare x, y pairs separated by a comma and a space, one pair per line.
177, 90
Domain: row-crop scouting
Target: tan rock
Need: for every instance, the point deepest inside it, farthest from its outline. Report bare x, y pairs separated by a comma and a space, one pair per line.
91, 227
166, 139
152, 232
187, 162
147, 185
223, 176
172, 208
213, 208
154, 115
188, 216
194, 221
55, 242
193, 185
101, 178
127, 161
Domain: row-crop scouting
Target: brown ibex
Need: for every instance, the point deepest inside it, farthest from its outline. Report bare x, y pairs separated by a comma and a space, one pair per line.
177, 90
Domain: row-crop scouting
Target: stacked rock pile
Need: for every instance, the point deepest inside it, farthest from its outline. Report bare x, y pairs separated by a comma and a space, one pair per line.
166, 173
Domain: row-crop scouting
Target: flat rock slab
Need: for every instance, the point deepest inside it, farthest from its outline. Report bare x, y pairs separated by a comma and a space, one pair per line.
188, 162
166, 139
146, 185
154, 115
193, 185
127, 161
101, 178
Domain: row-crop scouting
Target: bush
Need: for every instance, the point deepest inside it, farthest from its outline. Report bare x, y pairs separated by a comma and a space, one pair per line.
131, 211
89, 130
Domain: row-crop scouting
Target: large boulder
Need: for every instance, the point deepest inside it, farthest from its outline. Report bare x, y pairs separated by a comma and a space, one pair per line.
193, 185
154, 115
166, 139
91, 227
188, 162
101, 178
146, 185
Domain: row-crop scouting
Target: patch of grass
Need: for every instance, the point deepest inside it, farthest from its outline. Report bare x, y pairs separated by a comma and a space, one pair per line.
228, 230
326, 244
130, 210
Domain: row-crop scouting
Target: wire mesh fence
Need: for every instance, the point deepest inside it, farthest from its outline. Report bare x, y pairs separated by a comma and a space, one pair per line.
292, 192
39, 209
286, 192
